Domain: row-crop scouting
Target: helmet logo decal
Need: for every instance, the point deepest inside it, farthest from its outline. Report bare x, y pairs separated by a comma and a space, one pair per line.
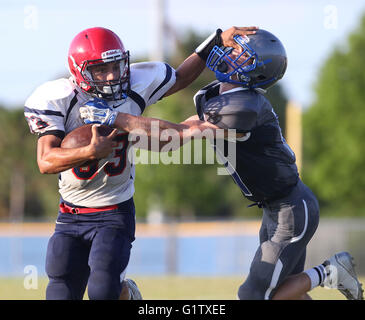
115, 53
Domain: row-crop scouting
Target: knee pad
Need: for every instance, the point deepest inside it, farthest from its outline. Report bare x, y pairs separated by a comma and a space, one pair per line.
58, 290
249, 291
103, 286
65, 288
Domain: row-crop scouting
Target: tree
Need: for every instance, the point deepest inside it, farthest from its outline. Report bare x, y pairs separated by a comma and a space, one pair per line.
334, 128
22, 188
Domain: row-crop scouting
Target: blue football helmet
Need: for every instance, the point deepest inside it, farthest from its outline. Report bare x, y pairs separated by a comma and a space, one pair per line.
261, 63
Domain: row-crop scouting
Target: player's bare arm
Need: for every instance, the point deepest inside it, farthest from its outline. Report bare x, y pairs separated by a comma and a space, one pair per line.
52, 158
164, 131
186, 73
159, 131
196, 124
194, 65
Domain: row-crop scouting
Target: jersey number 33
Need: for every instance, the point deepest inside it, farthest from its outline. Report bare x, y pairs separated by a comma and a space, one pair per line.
111, 168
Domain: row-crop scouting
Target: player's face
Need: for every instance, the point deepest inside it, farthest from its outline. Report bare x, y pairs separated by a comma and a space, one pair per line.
106, 73
235, 53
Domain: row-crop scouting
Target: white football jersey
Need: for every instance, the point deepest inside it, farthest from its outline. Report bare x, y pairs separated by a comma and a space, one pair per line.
53, 108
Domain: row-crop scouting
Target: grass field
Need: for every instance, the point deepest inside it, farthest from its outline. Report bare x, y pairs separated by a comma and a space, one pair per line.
161, 288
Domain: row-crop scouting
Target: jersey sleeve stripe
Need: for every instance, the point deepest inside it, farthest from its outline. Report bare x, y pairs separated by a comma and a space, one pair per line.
58, 133
166, 80
72, 104
137, 99
43, 112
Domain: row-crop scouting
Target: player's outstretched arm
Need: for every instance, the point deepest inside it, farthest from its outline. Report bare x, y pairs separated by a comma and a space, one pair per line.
161, 132
151, 133
194, 65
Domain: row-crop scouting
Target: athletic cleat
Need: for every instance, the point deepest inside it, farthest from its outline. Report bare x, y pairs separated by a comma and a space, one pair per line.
341, 275
134, 292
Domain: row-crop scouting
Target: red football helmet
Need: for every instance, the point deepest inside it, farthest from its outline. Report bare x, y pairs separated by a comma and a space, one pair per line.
97, 46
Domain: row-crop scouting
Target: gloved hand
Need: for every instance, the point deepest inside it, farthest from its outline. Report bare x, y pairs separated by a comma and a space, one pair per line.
97, 111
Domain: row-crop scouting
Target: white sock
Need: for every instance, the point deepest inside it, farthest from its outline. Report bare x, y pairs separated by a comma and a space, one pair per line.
317, 275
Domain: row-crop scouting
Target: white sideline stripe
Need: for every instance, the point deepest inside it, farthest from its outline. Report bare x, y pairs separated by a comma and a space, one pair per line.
295, 239
274, 279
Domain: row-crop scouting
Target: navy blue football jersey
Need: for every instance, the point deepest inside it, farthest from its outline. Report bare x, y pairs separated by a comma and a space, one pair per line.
264, 167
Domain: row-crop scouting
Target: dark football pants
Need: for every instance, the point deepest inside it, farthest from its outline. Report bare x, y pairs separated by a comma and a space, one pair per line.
91, 250
287, 226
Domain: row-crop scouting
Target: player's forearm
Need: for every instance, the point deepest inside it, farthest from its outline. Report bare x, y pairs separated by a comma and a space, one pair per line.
162, 132
186, 73
57, 160
158, 132
150, 127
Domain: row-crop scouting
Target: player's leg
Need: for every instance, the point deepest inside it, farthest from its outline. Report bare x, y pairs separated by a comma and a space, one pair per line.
110, 252
293, 284
290, 226
294, 288
338, 272
124, 294
66, 267
262, 270
247, 290
269, 270
109, 256
296, 285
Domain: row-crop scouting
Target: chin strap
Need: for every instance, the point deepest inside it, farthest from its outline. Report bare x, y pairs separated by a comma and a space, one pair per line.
260, 90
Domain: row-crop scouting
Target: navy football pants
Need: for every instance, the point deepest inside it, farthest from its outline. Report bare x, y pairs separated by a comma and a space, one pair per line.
288, 225
91, 250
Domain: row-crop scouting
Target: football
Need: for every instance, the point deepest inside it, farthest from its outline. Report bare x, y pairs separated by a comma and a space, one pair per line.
81, 137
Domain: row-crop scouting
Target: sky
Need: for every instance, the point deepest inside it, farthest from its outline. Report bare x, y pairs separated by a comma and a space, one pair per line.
35, 35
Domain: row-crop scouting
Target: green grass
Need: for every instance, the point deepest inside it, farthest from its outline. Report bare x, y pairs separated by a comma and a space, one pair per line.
161, 288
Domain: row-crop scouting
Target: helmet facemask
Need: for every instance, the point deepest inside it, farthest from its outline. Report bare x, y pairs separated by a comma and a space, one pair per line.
115, 89
226, 66
254, 67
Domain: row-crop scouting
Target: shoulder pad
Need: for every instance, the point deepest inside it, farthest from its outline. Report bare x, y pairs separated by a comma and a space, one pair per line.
237, 110
51, 91
151, 80
46, 108
203, 94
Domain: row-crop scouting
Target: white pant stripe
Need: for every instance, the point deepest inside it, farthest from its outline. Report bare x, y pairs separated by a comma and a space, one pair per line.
274, 279
295, 239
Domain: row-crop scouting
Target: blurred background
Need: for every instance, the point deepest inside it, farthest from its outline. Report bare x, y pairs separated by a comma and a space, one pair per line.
191, 221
